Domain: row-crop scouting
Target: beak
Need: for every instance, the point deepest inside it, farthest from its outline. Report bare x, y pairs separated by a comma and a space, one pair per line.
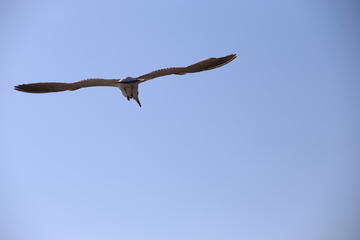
138, 101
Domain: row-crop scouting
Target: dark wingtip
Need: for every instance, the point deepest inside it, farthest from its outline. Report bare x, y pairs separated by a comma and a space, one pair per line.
223, 61
26, 88
42, 87
230, 57
20, 88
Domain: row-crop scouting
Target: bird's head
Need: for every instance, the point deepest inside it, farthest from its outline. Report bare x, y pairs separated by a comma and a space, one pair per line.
129, 80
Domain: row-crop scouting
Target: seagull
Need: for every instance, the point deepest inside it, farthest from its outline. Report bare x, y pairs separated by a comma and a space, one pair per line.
128, 85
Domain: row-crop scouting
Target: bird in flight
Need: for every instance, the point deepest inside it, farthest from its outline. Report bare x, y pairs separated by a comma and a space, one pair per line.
128, 85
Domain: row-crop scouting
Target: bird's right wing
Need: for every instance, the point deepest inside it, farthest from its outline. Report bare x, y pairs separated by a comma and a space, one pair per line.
45, 87
202, 65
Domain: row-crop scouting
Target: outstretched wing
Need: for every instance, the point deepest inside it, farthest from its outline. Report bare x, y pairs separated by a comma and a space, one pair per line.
203, 65
58, 87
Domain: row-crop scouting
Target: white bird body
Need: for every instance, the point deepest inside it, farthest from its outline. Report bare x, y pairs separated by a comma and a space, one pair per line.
129, 88
128, 85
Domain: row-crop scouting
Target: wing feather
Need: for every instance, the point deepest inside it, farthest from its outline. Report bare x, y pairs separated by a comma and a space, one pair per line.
46, 87
202, 65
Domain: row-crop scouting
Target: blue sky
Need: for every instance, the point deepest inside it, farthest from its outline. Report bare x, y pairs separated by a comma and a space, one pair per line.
266, 147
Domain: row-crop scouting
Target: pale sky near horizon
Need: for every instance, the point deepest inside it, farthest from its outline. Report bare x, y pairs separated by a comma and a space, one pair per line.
266, 147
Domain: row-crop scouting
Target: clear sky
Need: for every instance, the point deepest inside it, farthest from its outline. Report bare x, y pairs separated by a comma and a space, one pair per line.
266, 147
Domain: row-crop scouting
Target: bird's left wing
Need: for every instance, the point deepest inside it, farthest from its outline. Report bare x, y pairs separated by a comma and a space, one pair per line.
202, 65
45, 87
